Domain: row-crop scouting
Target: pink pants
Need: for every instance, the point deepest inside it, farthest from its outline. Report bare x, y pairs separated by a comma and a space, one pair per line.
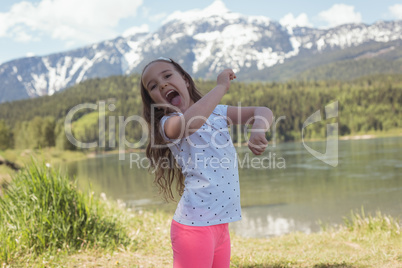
200, 246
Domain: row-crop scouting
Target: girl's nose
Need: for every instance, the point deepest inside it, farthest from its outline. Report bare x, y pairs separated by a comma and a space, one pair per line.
163, 85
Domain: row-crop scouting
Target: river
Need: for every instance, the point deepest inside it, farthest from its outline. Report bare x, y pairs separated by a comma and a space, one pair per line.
286, 189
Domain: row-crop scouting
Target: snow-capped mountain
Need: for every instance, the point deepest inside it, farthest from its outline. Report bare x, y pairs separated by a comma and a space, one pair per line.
204, 42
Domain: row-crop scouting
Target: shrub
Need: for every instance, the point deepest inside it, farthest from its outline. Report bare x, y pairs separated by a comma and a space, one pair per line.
42, 210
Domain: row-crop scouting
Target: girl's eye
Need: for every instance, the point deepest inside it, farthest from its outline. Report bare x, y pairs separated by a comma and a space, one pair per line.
168, 75
153, 86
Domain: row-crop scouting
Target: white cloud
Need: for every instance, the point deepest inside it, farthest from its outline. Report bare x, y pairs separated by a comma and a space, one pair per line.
396, 11
136, 29
146, 13
340, 14
69, 20
158, 17
292, 21
216, 8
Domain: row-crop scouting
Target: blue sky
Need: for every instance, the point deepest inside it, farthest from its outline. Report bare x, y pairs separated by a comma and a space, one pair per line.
41, 27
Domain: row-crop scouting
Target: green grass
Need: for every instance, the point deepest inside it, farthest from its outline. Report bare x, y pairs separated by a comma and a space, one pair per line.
361, 242
361, 246
43, 211
52, 155
378, 224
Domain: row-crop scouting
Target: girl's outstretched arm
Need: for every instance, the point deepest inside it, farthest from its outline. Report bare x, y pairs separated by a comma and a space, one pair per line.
259, 117
197, 114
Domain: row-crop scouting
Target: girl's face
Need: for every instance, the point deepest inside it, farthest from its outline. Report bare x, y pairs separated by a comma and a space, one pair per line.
166, 85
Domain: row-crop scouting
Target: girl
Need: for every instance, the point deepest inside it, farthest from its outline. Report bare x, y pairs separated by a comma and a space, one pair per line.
201, 157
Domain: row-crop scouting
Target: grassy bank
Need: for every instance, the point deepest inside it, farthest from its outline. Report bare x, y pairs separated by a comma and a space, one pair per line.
52, 155
374, 242
46, 222
21, 158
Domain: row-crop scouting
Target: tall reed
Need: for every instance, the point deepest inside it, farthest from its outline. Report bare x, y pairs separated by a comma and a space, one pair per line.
366, 224
42, 210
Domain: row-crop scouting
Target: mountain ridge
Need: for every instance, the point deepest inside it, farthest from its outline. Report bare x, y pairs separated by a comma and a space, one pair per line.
255, 46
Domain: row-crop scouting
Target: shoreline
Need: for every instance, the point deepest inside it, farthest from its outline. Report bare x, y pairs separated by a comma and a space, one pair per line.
366, 136
360, 137
21, 157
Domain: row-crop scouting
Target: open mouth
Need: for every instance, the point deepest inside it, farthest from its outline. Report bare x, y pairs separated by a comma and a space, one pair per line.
173, 97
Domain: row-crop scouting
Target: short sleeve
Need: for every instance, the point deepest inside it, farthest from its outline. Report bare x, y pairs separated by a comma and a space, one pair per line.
223, 110
162, 126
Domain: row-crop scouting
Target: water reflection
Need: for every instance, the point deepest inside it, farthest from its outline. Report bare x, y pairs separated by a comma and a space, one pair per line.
270, 221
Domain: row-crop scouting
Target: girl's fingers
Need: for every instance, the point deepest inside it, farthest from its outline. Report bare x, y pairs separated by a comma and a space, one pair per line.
258, 147
258, 143
256, 151
232, 75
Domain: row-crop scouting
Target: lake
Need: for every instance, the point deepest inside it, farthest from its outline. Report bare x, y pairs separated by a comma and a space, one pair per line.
286, 189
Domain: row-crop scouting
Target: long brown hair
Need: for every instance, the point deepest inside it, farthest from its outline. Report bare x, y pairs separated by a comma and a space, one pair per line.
165, 173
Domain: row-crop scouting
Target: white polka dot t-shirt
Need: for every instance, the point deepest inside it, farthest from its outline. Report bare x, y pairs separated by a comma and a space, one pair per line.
208, 161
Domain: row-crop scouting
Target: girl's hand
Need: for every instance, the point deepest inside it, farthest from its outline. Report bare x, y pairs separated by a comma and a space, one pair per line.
257, 142
225, 77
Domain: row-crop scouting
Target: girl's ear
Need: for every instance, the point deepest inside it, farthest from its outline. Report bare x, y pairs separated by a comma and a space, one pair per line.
187, 83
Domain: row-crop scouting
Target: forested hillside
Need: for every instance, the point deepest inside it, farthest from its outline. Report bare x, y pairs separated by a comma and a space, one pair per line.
370, 103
